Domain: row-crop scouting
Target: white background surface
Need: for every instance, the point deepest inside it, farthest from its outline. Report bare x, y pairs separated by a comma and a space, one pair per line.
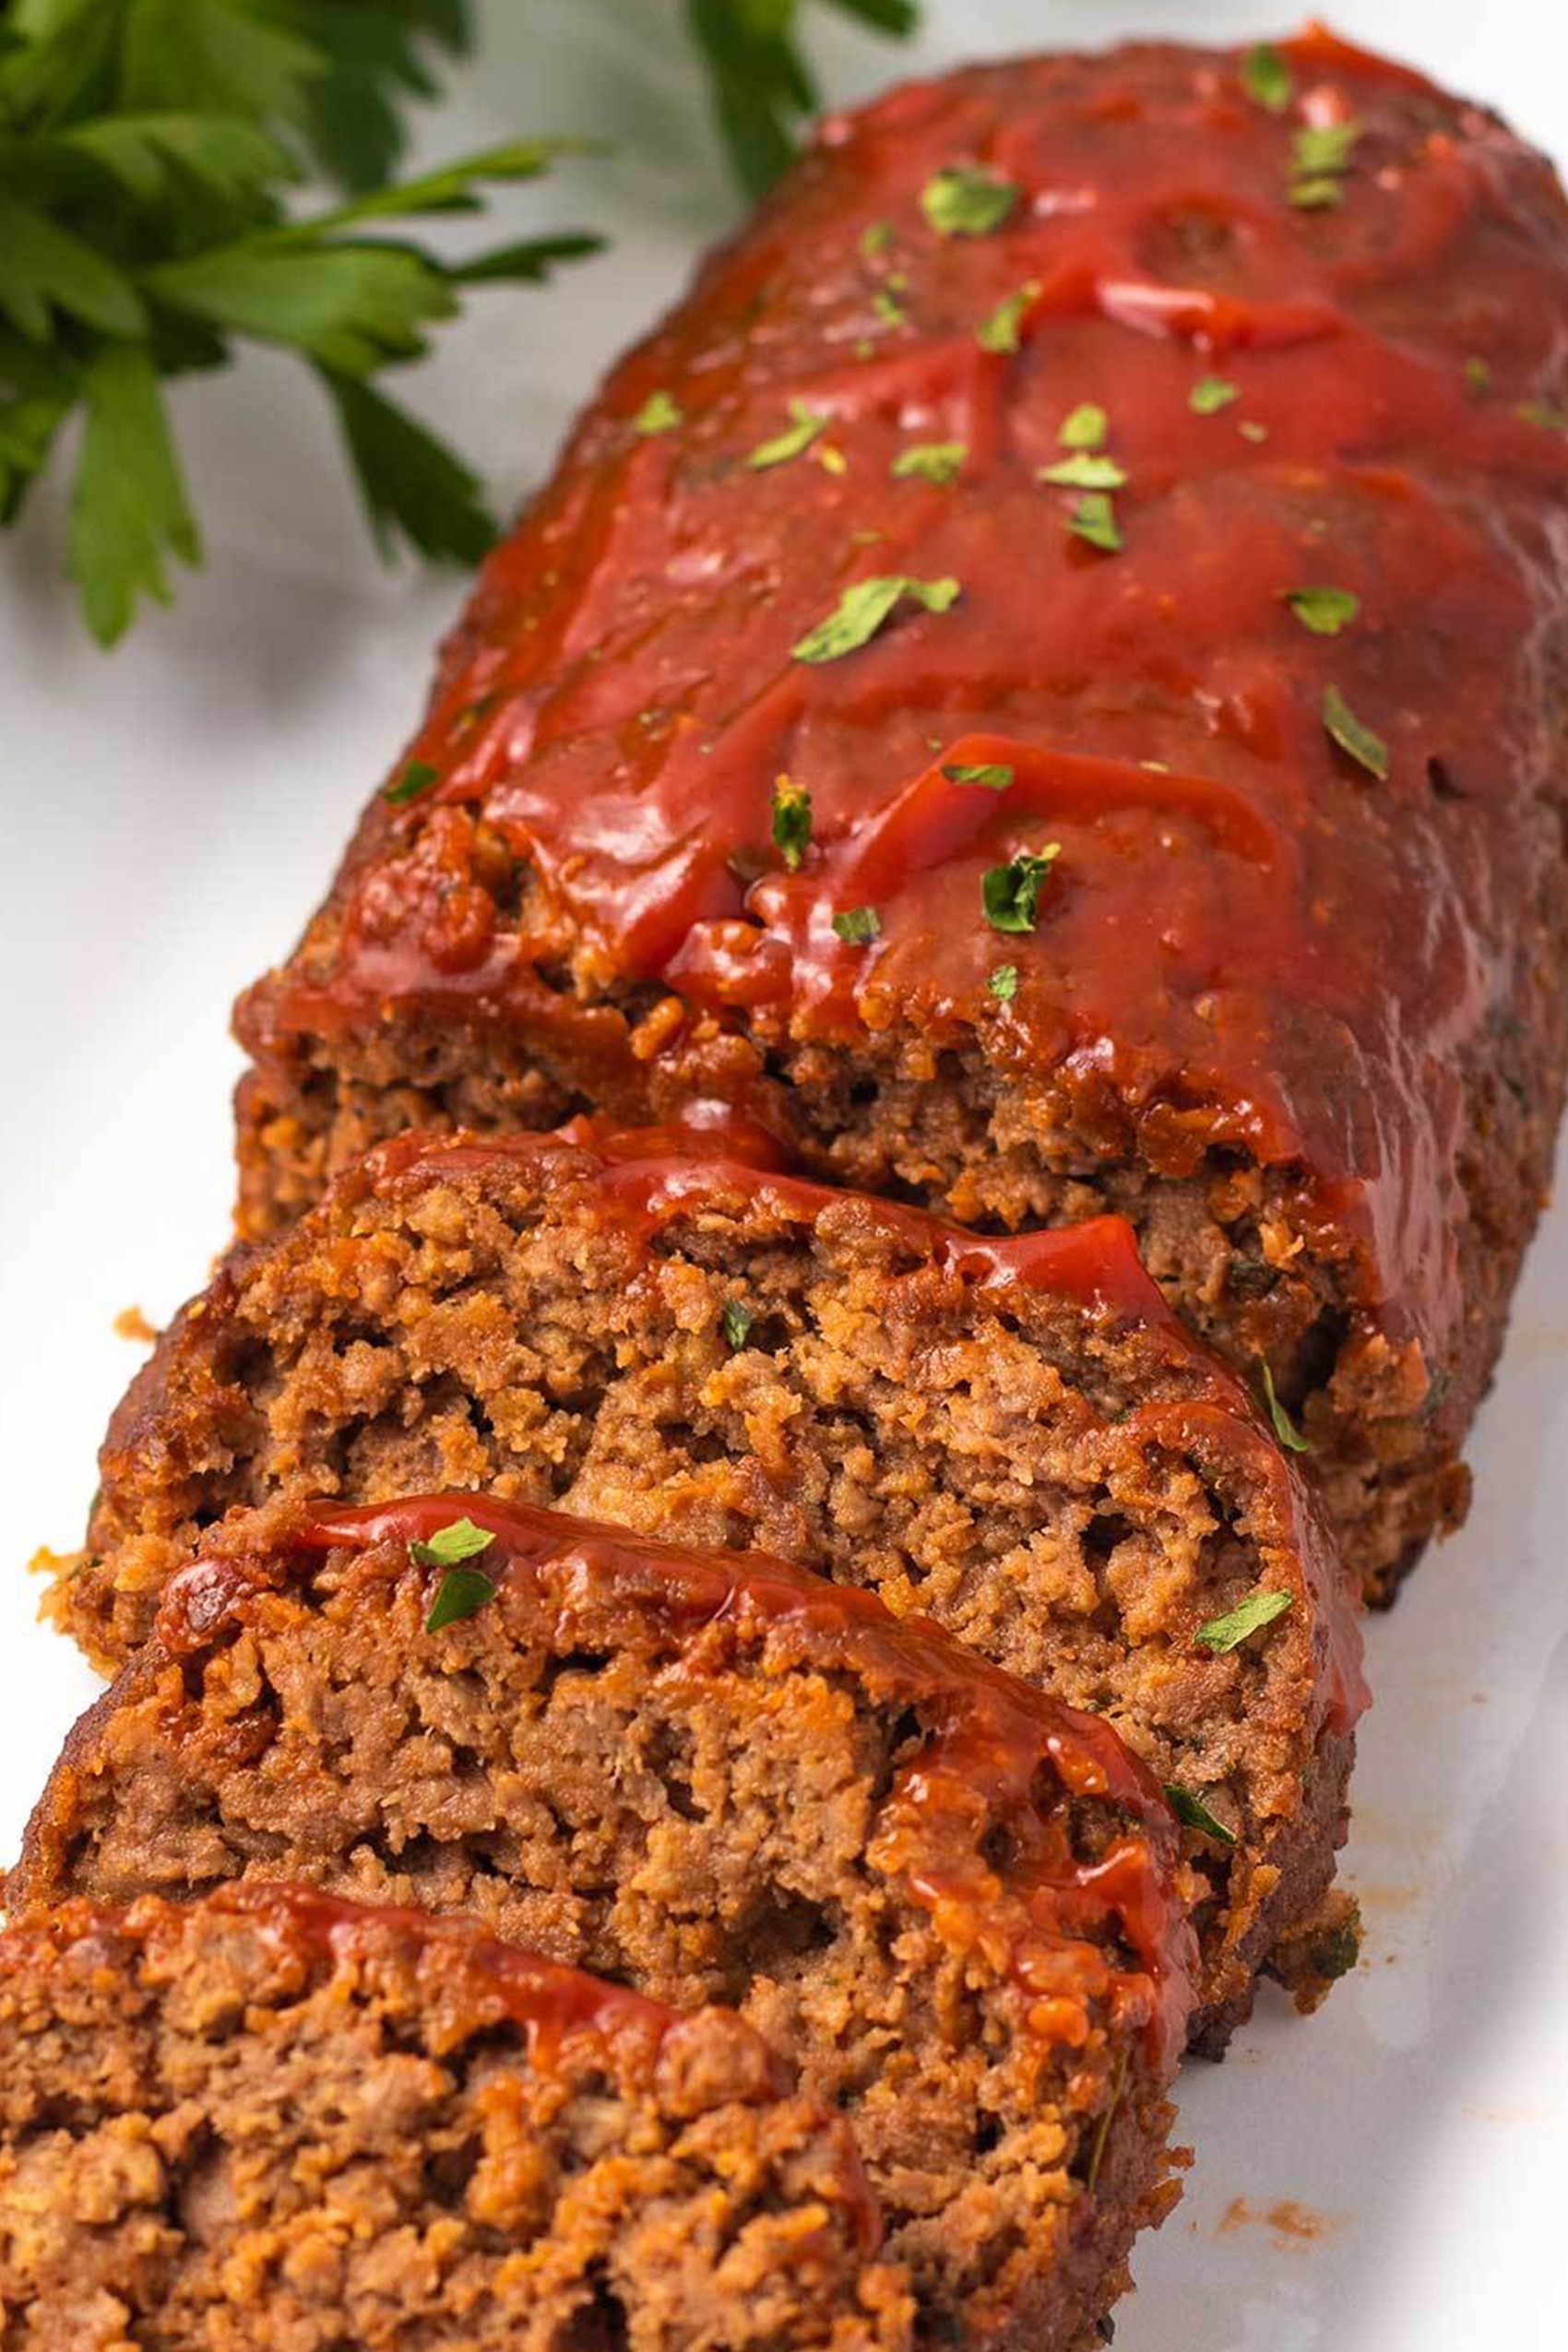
170, 815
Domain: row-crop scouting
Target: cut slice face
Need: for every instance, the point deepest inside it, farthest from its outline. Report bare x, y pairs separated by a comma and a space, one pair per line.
269, 2118
955, 1905
1015, 1437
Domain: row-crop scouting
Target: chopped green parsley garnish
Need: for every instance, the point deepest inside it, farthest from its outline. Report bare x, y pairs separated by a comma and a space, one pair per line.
1192, 1812
963, 202
461, 1592
1085, 427
1549, 414
1000, 331
1011, 893
1094, 518
1003, 982
1285, 1429
1319, 160
863, 606
888, 307
418, 776
1211, 394
658, 413
1228, 1633
735, 1320
1478, 377
1323, 611
460, 1540
939, 461
1085, 470
875, 238
858, 925
1368, 750
790, 443
990, 775
1266, 77
792, 821
1102, 2129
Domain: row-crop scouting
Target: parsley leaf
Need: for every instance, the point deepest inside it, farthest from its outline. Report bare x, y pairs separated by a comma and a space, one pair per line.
1085, 427
462, 1591
760, 83
458, 1540
1266, 77
962, 201
416, 777
1211, 394
1285, 1429
658, 413
410, 481
858, 925
792, 442
1368, 750
991, 775
863, 609
1084, 470
1001, 331
1320, 158
938, 461
1003, 983
735, 1320
1094, 518
1227, 1633
1323, 611
1194, 1814
792, 821
128, 505
1011, 893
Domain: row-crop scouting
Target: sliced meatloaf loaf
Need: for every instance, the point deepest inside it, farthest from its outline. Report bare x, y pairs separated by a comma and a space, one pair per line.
1045, 677
1016, 1437
956, 1905
270, 2122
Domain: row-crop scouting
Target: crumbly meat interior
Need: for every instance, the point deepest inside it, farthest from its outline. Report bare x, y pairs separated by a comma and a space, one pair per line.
695, 1818
211, 2146
876, 1423
1234, 1246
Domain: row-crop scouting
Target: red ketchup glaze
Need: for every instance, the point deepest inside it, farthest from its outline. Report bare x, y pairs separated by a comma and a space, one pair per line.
986, 1738
1240, 919
636, 1181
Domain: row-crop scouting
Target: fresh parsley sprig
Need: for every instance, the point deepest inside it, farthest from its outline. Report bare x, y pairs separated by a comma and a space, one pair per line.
146, 148
762, 85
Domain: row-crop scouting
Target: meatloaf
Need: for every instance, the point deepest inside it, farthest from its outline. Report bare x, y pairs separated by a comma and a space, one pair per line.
1045, 678
270, 2121
1014, 1436
955, 1904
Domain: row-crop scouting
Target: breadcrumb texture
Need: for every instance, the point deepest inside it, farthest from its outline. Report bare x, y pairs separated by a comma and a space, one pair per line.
955, 1907
718, 1355
266, 2123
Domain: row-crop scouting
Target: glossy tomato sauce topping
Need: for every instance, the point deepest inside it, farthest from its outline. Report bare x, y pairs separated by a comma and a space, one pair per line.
1075, 575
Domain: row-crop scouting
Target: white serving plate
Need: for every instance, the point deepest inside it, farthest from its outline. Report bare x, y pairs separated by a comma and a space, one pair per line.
1386, 2177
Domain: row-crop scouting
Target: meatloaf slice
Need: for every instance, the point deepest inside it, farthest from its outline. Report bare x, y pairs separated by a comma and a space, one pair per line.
271, 2122
1016, 1438
1047, 674
956, 1905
